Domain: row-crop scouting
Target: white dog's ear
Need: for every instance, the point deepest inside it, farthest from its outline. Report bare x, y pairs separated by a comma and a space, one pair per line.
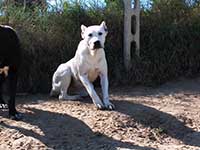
103, 24
83, 28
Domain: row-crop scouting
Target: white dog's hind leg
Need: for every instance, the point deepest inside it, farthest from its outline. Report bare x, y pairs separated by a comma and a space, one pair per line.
64, 88
55, 86
54, 92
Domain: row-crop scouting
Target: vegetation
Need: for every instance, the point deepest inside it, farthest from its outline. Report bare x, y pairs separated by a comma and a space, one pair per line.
170, 38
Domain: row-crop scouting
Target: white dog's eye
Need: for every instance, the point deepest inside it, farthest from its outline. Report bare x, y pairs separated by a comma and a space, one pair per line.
90, 35
100, 33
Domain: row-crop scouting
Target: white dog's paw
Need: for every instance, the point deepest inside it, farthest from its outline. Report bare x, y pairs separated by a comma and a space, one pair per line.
100, 106
110, 106
69, 97
61, 97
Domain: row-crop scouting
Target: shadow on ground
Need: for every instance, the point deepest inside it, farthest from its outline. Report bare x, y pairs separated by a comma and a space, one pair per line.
62, 131
155, 119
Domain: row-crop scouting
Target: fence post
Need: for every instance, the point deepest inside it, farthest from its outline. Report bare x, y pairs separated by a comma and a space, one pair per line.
129, 37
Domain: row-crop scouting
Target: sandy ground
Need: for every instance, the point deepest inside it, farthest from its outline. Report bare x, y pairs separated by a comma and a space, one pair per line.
163, 118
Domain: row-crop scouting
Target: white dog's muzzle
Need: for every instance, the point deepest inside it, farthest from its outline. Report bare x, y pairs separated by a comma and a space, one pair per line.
95, 43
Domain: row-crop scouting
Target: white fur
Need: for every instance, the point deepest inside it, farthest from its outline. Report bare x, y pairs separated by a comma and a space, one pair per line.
88, 63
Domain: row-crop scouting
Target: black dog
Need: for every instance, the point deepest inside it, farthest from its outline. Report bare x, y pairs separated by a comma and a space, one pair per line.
10, 58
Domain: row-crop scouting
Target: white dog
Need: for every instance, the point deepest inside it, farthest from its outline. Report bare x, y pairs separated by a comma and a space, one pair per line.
88, 63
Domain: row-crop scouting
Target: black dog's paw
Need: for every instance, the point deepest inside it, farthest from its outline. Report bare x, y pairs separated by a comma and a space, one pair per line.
17, 116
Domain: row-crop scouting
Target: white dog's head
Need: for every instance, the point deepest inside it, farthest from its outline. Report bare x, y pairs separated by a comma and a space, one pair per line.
94, 35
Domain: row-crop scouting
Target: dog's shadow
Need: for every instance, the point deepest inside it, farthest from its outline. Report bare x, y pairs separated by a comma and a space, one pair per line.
61, 131
162, 122
155, 119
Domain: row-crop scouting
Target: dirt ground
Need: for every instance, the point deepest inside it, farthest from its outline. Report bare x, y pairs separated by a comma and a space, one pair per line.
162, 118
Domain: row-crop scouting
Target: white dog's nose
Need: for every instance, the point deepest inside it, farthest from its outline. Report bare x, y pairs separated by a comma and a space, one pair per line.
97, 44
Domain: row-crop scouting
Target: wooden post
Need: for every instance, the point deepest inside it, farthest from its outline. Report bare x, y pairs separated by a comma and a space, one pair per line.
129, 37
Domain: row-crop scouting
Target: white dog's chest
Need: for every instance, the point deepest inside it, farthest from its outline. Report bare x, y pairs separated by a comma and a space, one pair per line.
94, 65
93, 73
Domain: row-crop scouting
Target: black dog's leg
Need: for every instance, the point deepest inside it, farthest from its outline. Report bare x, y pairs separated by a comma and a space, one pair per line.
2, 79
12, 92
12, 77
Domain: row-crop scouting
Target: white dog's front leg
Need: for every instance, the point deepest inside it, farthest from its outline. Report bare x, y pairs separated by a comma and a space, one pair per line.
90, 89
104, 87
